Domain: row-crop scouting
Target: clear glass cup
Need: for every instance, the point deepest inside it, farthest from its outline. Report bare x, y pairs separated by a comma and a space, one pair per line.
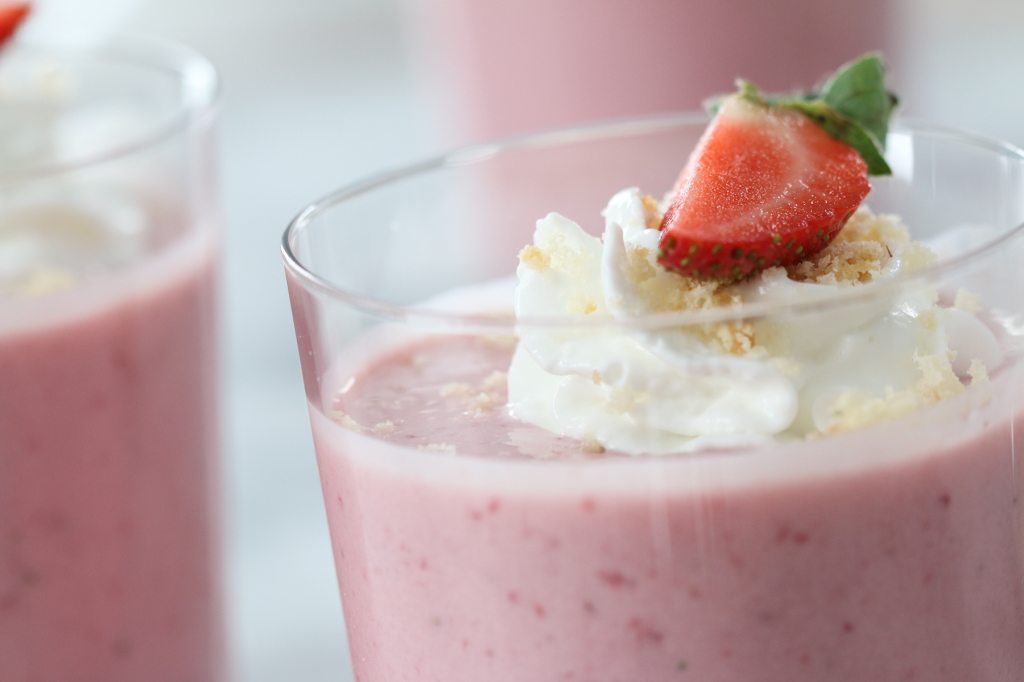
109, 567
894, 551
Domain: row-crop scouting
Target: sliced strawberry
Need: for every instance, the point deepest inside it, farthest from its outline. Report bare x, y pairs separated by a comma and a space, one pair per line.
765, 186
11, 16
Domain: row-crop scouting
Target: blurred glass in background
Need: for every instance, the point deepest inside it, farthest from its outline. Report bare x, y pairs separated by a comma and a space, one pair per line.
503, 68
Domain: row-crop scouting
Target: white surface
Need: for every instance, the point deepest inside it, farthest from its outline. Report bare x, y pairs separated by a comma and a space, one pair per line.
319, 92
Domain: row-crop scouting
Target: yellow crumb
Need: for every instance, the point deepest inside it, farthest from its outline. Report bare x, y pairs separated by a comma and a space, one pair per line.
532, 256
787, 366
445, 448
977, 371
591, 447
937, 381
861, 250
663, 291
495, 380
735, 338
966, 301
500, 340
928, 320
44, 281
386, 426
484, 402
917, 256
343, 418
455, 388
652, 212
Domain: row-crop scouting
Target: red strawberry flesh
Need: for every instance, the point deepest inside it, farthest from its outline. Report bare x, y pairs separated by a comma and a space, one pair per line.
764, 187
11, 16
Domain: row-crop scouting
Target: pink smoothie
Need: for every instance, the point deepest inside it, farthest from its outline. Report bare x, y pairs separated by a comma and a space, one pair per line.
891, 553
107, 443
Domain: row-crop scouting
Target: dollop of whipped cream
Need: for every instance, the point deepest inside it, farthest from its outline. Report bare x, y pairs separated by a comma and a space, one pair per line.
639, 389
67, 227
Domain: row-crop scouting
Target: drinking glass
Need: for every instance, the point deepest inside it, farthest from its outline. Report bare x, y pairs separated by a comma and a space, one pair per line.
470, 546
109, 567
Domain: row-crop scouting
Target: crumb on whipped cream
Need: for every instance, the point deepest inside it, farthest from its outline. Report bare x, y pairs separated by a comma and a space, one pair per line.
740, 381
855, 409
860, 251
966, 301
42, 281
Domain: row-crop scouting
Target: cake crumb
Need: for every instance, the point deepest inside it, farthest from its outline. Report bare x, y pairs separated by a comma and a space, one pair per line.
856, 409
534, 257
45, 281
591, 446
346, 420
977, 371
938, 380
788, 366
484, 402
652, 212
858, 252
928, 320
455, 389
495, 380
507, 341
384, 427
917, 257
966, 301
861, 251
444, 448
736, 338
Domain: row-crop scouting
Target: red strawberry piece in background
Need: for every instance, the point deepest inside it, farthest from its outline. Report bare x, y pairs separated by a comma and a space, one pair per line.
765, 186
11, 17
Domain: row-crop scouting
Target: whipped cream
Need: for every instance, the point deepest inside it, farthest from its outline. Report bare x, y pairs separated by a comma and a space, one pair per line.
59, 229
637, 389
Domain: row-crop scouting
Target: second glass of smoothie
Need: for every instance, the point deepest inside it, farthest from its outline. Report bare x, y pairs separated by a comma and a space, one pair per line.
109, 566
472, 546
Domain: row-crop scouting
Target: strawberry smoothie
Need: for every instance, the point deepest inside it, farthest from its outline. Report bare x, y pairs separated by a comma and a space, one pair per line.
108, 423
888, 553
108, 372
751, 431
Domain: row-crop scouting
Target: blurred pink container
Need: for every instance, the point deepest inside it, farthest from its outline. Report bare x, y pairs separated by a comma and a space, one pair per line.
507, 67
108, 419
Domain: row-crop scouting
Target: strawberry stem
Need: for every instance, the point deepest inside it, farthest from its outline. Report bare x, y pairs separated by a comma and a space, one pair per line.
853, 106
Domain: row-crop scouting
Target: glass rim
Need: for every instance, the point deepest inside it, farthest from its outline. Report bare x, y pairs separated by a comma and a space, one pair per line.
419, 314
200, 96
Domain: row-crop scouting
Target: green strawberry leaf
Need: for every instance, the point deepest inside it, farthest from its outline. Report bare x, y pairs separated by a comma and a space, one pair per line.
852, 106
846, 130
857, 91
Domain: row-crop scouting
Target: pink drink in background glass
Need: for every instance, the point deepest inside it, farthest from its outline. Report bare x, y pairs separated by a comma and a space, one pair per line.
471, 546
108, 373
507, 67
